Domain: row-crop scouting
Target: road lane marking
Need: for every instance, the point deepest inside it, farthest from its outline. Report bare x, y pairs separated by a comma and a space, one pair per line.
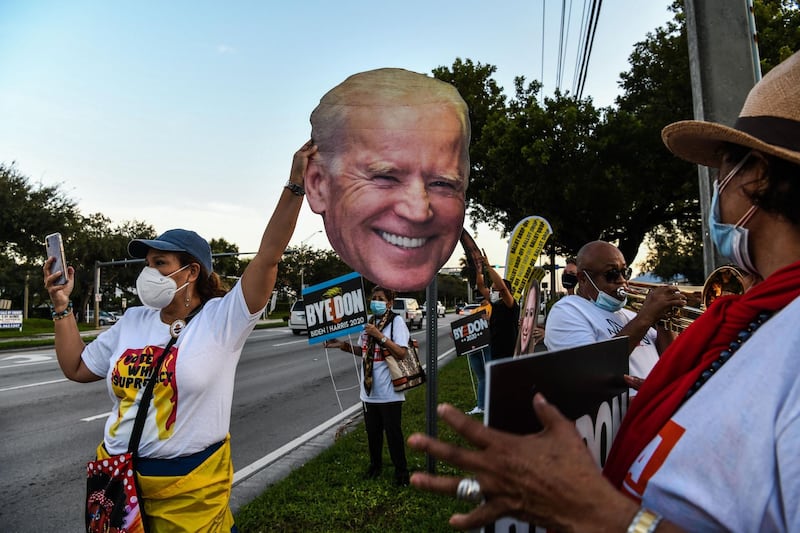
290, 342
26, 360
265, 461
260, 464
95, 417
34, 384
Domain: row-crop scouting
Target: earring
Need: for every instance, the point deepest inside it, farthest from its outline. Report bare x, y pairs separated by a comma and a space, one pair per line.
186, 300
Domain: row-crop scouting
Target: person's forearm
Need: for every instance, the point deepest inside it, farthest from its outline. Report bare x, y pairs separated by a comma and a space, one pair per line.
395, 350
347, 347
635, 330
69, 345
259, 277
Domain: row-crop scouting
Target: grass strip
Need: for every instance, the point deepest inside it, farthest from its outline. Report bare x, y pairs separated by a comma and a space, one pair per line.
328, 494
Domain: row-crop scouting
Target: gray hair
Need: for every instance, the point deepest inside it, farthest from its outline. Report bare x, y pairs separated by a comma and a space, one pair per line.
379, 87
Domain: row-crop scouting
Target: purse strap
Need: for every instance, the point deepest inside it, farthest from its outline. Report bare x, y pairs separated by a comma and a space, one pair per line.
147, 395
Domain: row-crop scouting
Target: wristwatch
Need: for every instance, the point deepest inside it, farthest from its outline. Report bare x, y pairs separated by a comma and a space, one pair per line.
382, 341
296, 188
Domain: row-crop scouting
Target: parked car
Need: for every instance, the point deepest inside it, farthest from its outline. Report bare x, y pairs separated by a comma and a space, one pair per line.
440, 309
297, 317
468, 309
105, 319
409, 309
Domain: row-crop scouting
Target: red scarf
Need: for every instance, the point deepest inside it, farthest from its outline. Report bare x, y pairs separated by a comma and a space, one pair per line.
692, 353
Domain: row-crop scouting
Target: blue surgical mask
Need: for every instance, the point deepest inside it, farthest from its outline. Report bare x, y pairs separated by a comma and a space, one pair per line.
605, 301
731, 239
377, 307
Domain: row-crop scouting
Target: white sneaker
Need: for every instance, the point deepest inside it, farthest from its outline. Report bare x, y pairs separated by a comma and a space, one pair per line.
475, 411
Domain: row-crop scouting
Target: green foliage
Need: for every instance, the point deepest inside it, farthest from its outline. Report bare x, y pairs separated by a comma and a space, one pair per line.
328, 494
778, 27
228, 267
600, 173
309, 266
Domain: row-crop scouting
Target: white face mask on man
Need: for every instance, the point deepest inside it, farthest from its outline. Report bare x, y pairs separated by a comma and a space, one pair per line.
156, 290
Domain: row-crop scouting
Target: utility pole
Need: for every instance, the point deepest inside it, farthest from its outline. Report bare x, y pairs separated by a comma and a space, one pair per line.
724, 66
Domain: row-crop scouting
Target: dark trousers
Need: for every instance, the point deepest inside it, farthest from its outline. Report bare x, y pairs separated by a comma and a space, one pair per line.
380, 417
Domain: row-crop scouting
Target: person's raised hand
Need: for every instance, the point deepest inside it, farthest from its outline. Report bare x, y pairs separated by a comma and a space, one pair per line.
59, 294
300, 162
548, 478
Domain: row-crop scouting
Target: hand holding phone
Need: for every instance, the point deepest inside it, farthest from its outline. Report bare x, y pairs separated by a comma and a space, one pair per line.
54, 247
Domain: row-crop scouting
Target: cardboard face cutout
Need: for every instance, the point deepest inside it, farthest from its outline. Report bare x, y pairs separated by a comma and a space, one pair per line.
391, 174
529, 319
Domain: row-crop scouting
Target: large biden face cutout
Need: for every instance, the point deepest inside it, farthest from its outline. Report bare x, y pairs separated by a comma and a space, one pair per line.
391, 174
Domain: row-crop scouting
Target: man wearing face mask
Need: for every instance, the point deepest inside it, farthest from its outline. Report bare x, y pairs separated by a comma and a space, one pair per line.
596, 312
188, 336
569, 278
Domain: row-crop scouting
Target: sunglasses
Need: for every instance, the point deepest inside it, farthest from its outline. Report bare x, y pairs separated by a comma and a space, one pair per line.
614, 274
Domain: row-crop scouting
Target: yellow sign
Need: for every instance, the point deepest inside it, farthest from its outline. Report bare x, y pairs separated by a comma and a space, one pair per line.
526, 243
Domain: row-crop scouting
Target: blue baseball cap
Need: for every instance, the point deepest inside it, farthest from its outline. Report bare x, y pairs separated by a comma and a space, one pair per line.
175, 240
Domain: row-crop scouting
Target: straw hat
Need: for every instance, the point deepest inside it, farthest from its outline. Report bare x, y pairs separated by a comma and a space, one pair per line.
769, 122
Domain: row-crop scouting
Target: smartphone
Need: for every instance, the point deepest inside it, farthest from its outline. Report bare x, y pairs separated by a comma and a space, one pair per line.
54, 246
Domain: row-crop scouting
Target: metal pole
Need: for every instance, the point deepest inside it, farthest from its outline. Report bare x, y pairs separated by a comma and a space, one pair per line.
431, 392
96, 294
723, 65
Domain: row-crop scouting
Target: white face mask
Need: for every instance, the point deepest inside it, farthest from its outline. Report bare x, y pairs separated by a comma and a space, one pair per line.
494, 296
156, 290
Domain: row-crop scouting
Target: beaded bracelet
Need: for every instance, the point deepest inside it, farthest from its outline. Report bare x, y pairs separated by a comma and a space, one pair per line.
61, 314
645, 521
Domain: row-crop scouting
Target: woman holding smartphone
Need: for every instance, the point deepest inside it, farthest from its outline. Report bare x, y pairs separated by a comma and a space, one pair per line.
184, 468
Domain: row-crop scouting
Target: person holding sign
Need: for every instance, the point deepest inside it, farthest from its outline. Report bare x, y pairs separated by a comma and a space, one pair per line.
183, 468
502, 310
386, 334
390, 178
596, 311
710, 442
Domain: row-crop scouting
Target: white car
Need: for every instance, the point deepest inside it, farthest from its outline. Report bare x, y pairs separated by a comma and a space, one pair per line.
297, 317
440, 309
408, 308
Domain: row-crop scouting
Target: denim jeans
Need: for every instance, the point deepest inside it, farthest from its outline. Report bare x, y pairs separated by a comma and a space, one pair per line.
477, 360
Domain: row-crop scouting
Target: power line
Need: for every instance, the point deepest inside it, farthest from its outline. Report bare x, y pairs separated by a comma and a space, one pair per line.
589, 42
579, 52
541, 78
566, 40
560, 46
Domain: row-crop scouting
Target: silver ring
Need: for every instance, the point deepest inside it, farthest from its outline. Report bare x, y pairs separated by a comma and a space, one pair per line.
470, 490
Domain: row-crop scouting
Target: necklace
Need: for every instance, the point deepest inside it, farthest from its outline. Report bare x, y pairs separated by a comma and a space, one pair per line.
727, 353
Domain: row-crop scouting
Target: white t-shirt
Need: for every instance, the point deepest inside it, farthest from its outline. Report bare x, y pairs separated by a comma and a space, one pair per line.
191, 405
382, 388
576, 321
728, 458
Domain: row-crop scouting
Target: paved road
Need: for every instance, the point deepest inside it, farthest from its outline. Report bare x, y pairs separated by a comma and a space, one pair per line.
51, 426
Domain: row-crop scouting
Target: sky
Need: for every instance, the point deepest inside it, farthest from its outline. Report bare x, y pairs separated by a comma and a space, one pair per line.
187, 113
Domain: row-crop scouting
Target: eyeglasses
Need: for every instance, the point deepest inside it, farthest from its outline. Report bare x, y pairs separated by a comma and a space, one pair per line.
614, 274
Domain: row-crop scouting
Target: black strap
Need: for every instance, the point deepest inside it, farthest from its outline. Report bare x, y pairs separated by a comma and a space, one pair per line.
147, 395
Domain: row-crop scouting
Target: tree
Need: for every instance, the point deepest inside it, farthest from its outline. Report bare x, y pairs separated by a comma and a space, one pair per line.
28, 213
228, 264
599, 173
305, 265
658, 92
